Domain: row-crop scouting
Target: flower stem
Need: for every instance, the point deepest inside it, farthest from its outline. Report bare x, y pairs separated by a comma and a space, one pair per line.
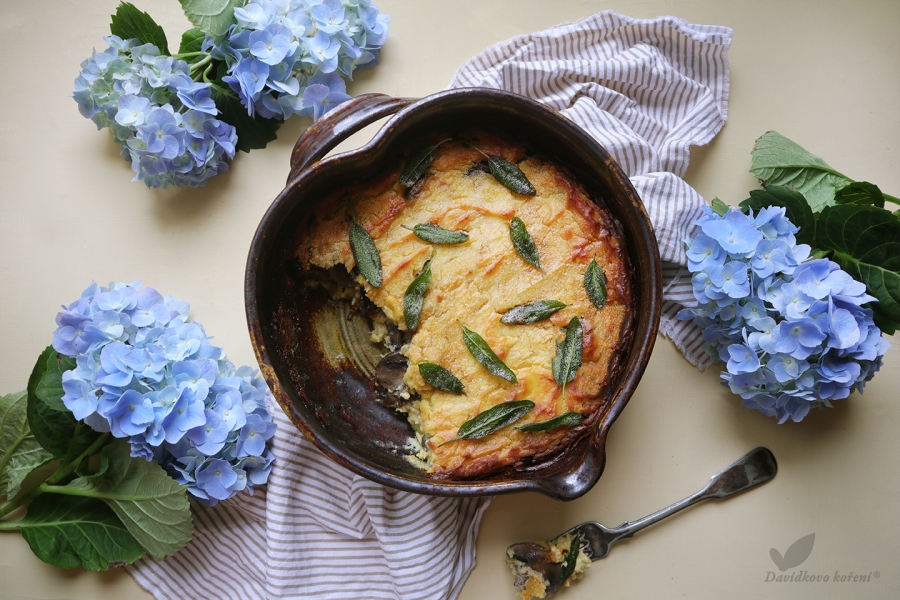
189, 54
22, 500
218, 88
66, 491
201, 63
61, 471
90, 451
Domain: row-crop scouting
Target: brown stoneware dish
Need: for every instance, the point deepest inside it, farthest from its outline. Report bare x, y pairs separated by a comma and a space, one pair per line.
317, 357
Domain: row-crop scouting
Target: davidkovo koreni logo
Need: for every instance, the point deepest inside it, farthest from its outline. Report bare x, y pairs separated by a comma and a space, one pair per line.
797, 554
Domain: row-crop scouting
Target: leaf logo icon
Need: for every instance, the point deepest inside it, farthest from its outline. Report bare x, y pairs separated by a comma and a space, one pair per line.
795, 555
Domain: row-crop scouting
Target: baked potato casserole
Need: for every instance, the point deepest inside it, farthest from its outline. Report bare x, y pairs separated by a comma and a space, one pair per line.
457, 246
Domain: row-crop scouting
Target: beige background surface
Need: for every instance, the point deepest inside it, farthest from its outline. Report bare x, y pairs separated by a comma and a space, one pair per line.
824, 73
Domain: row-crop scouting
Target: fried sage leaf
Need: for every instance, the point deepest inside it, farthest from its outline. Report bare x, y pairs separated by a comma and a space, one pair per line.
568, 354
493, 419
438, 235
416, 165
510, 175
595, 284
483, 354
440, 378
415, 297
569, 419
418, 162
571, 560
531, 312
523, 243
366, 254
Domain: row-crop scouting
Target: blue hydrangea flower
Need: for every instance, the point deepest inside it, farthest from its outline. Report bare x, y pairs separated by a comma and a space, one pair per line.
793, 332
705, 252
218, 480
142, 98
279, 50
146, 373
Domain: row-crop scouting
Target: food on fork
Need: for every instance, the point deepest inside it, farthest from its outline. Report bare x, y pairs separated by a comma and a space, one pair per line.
562, 556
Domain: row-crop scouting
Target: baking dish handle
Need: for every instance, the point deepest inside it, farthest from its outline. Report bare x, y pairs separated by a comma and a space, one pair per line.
337, 125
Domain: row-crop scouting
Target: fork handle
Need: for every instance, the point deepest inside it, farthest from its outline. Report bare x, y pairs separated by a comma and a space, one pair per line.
754, 468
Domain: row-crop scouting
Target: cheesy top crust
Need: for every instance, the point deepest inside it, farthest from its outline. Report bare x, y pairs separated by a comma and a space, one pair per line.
475, 282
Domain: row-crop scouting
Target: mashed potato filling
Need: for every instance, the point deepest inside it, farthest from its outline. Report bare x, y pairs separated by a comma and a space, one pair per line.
473, 283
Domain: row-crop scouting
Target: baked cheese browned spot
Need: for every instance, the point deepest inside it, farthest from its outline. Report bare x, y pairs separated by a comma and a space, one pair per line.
474, 282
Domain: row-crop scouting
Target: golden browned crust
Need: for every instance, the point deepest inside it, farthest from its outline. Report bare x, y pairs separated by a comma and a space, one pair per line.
475, 282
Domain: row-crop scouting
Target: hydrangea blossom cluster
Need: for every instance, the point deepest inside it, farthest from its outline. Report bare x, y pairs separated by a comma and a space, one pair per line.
164, 121
286, 57
791, 330
146, 373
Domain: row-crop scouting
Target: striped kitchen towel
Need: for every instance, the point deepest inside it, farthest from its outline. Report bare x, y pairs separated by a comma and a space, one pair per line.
645, 89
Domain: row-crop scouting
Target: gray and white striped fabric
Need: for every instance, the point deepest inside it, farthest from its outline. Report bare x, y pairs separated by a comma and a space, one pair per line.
645, 89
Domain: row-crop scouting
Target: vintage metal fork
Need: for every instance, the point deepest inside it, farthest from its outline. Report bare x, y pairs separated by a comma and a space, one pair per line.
754, 468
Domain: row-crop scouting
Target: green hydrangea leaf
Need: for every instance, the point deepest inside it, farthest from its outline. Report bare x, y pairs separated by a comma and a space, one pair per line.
719, 207
862, 193
56, 431
152, 506
49, 387
129, 22
865, 241
192, 41
84, 468
20, 453
796, 209
67, 532
211, 16
779, 161
253, 132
